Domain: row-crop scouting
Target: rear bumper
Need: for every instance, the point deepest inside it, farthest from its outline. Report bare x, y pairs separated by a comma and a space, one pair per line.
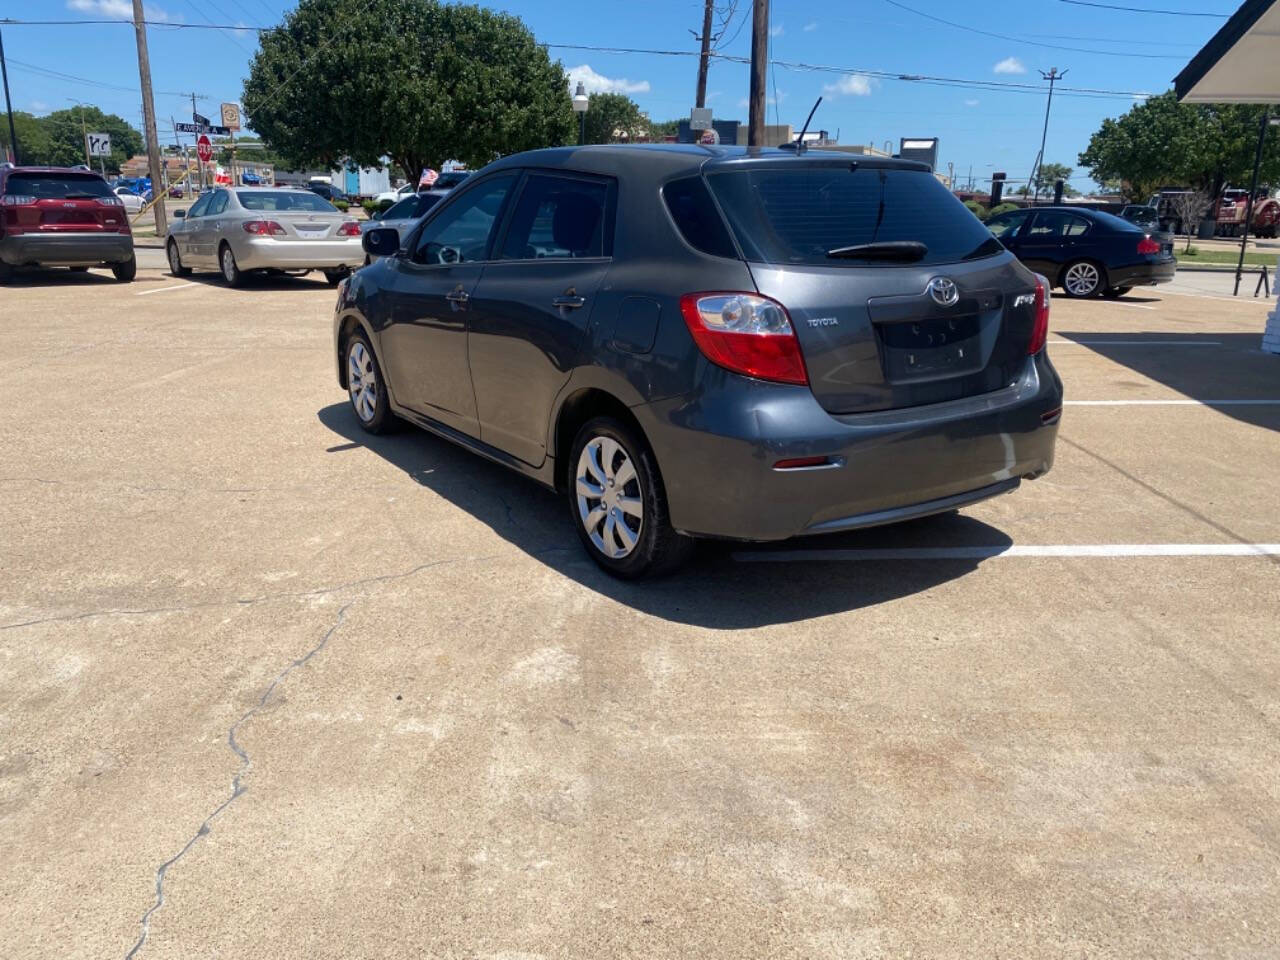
65, 249
265, 253
716, 449
1143, 274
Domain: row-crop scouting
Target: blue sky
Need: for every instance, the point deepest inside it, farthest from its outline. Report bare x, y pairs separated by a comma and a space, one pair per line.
986, 128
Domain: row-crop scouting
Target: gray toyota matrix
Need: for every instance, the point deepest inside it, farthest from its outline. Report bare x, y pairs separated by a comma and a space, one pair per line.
698, 341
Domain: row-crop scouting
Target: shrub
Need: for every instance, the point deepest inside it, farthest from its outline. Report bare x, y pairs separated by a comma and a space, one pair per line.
342, 205
1003, 208
977, 209
370, 206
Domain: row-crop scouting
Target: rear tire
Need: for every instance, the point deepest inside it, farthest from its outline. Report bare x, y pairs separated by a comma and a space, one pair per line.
175, 261
335, 277
618, 505
125, 272
6, 272
1082, 279
1112, 293
230, 271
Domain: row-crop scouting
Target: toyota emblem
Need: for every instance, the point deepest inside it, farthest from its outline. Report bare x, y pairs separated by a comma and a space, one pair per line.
944, 291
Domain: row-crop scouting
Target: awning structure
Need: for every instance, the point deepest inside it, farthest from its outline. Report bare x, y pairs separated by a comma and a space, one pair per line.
1241, 64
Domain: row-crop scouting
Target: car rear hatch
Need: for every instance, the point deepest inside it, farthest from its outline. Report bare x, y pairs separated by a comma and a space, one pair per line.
301, 215
62, 201
898, 295
310, 226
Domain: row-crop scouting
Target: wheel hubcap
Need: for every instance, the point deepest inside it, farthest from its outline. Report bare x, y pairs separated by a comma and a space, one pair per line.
610, 501
228, 263
174, 262
362, 382
1082, 278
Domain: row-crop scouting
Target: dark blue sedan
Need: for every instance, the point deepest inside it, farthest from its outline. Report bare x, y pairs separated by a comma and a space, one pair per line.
1086, 252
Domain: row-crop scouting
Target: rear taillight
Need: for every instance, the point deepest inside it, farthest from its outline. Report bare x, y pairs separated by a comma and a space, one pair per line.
1146, 246
349, 229
263, 228
1040, 329
112, 201
745, 333
16, 200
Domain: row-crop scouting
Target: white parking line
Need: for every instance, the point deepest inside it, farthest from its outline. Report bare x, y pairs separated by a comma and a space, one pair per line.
1131, 306
1017, 550
1136, 343
178, 286
1171, 403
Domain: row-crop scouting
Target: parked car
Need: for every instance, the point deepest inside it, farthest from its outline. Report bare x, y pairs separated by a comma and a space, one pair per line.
131, 202
396, 195
178, 191
1148, 218
447, 181
59, 217
241, 230
1086, 252
845, 346
328, 191
404, 215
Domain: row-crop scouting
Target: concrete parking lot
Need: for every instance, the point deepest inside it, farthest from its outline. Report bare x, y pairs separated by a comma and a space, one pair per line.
273, 688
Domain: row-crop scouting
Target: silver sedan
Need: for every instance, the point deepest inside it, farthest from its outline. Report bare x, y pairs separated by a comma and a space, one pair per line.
237, 230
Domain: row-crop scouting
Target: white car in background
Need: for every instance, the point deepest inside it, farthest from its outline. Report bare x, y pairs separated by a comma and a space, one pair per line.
396, 195
132, 202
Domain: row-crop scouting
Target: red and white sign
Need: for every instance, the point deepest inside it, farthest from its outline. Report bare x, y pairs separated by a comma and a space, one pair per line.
204, 149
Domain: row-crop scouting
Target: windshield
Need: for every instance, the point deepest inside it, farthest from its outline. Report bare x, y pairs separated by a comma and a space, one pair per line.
802, 213
284, 200
57, 186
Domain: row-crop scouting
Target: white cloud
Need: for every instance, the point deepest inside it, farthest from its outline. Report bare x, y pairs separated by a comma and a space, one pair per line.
850, 85
971, 103
1009, 65
776, 31
810, 27
120, 9
598, 83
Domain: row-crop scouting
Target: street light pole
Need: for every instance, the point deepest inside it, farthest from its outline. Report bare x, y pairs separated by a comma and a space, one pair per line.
4, 70
580, 104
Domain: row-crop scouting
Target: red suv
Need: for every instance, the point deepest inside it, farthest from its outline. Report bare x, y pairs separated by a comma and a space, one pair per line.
60, 217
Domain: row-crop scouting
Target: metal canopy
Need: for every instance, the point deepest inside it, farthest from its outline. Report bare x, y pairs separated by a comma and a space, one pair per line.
1240, 64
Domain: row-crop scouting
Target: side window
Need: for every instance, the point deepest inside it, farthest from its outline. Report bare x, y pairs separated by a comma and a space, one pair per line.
218, 203
1075, 227
1052, 226
557, 217
463, 232
699, 222
200, 207
1004, 227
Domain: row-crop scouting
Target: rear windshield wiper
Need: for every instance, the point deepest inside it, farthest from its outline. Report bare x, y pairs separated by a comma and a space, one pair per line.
80, 196
904, 250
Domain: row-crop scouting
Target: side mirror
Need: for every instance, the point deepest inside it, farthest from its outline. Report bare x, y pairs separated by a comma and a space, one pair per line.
180, 214
381, 242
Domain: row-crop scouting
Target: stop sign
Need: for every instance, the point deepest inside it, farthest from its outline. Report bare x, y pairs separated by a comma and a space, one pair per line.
204, 149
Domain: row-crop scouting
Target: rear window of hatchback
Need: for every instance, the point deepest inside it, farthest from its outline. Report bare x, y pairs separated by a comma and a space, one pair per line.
67, 185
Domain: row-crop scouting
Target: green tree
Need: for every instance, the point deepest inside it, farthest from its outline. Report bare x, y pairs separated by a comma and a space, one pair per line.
664, 128
414, 80
57, 140
1049, 174
1161, 142
614, 117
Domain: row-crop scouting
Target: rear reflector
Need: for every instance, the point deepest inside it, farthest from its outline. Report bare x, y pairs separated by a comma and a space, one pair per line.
1146, 246
1049, 416
745, 333
805, 463
1040, 327
263, 228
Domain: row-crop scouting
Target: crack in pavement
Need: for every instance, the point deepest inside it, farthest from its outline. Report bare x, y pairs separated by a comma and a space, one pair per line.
237, 781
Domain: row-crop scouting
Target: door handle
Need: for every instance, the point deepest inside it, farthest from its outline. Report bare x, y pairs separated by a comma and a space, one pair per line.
568, 302
457, 295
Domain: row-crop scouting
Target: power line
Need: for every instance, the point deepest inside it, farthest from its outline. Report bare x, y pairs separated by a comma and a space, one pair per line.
1167, 13
59, 75
1034, 43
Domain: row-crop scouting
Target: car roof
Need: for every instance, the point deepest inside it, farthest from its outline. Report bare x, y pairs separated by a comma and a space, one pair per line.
663, 160
7, 169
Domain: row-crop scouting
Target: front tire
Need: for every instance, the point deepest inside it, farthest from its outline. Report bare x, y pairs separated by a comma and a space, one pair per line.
1083, 279
125, 272
175, 261
366, 388
618, 503
230, 271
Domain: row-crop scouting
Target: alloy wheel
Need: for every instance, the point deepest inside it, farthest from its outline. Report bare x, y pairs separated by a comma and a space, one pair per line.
1081, 280
610, 500
362, 382
175, 261
228, 264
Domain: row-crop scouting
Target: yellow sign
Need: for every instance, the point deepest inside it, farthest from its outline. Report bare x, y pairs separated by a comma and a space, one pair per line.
231, 116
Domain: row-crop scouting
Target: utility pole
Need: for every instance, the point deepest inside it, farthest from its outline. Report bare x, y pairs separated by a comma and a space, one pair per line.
13, 136
759, 63
149, 120
704, 58
1052, 76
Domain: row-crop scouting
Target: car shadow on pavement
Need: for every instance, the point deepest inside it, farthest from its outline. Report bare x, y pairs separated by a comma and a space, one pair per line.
720, 587
262, 283
61, 277
1221, 366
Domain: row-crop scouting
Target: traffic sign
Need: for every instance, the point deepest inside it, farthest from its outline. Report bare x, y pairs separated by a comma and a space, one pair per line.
204, 149
99, 144
700, 118
202, 128
231, 116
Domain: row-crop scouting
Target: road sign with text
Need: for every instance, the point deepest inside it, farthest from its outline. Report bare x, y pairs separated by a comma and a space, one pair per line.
99, 144
204, 149
231, 116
